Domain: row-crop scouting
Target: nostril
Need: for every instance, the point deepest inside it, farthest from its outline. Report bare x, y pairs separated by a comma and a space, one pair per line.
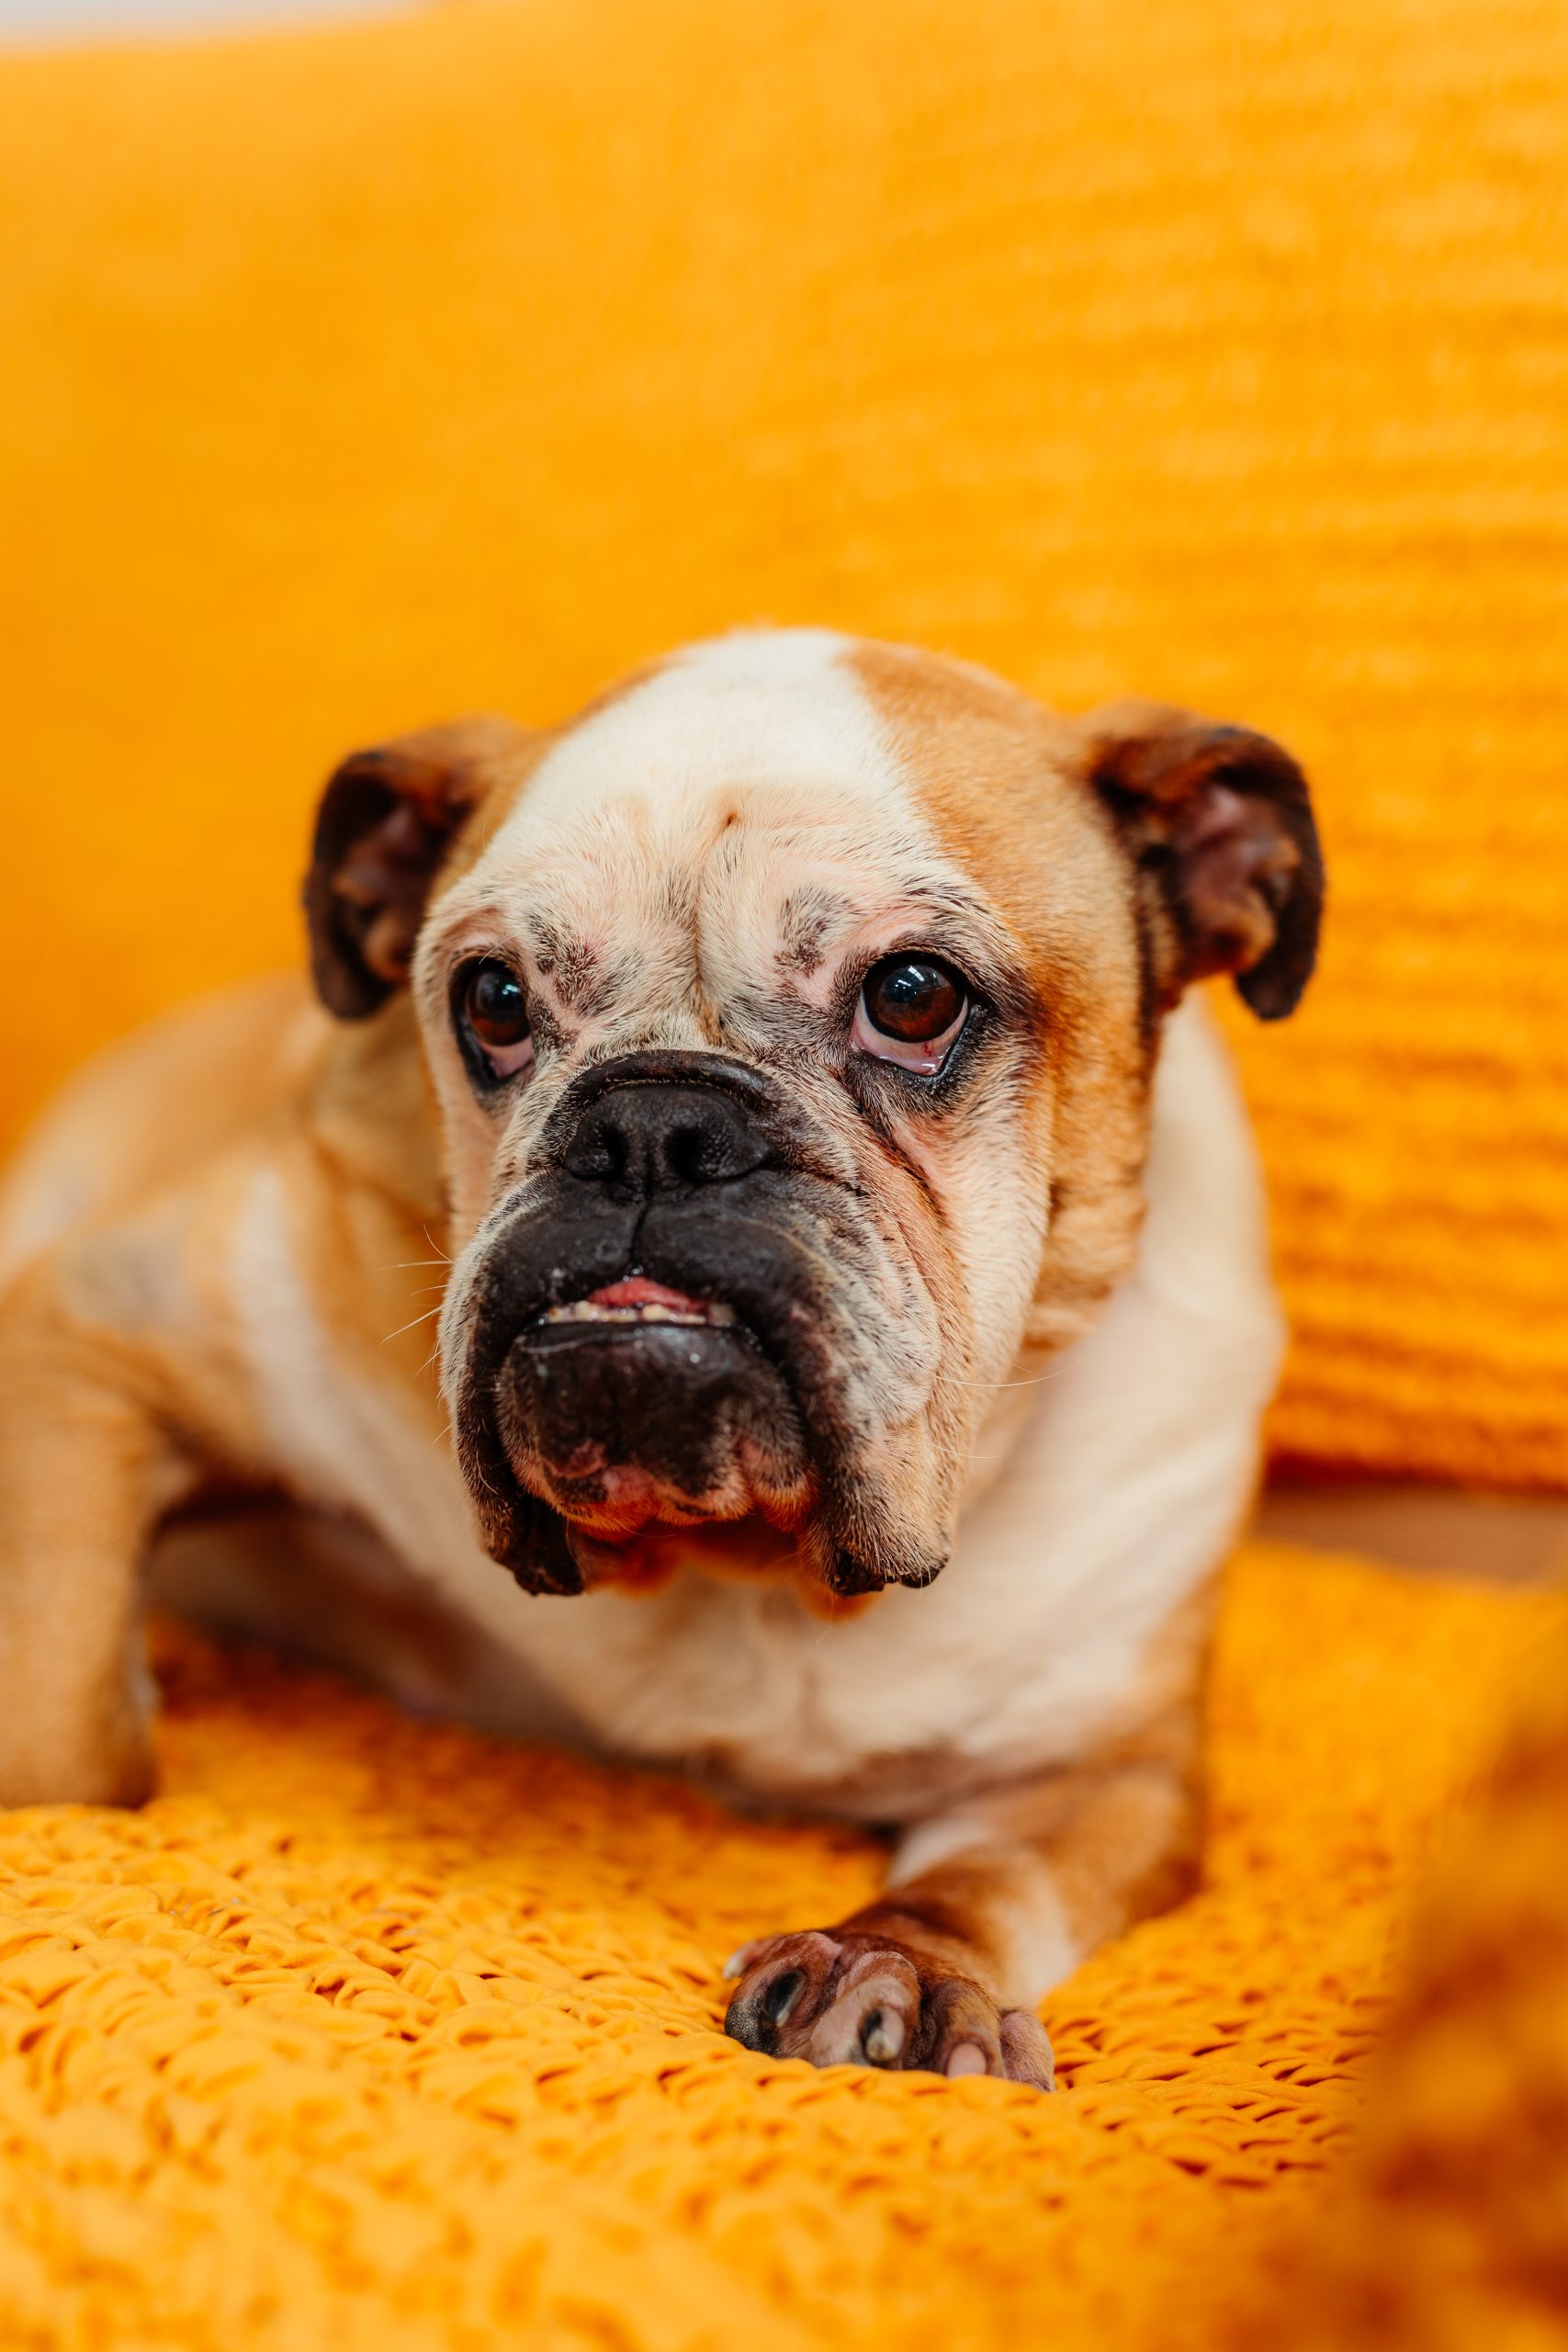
686, 1154
598, 1151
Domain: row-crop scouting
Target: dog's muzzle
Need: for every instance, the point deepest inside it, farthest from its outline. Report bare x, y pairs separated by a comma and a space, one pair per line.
653, 1337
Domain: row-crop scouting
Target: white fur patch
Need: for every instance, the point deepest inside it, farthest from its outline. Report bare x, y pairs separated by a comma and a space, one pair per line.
778, 707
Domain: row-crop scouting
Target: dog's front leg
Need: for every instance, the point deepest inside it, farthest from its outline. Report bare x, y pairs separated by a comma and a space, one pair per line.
86, 1471
986, 1908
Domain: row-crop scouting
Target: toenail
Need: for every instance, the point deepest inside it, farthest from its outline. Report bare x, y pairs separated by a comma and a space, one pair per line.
779, 1996
968, 2059
882, 2037
736, 1965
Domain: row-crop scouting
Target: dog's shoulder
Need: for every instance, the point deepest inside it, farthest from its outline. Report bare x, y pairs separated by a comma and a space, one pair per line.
156, 1107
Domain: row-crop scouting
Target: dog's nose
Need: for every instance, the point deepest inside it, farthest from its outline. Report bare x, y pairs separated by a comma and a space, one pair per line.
653, 1137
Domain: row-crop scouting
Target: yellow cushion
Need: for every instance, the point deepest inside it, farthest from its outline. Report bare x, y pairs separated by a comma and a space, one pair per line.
1217, 351
367, 2034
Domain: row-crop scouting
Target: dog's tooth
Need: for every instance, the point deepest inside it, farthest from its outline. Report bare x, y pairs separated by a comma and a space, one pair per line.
588, 1310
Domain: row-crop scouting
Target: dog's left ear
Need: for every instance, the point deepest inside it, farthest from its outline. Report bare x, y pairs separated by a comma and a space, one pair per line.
1220, 829
386, 824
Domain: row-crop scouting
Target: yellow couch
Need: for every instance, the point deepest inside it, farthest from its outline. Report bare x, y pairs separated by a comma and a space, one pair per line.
354, 376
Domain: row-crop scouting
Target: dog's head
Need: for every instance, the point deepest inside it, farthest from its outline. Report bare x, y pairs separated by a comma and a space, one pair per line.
792, 1016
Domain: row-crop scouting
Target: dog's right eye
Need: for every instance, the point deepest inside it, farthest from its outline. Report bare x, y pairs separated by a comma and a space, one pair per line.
492, 1020
912, 1008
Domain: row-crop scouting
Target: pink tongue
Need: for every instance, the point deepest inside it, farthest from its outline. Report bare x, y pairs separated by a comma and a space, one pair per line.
638, 1291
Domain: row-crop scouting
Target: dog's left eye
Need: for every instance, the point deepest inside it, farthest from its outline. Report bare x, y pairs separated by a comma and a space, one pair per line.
492, 1014
912, 1009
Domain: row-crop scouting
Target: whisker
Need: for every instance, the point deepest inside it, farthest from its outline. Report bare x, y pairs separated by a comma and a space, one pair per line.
1036, 1380
410, 1323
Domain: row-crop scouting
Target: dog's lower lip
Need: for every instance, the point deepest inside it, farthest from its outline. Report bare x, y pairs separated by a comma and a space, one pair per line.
637, 1301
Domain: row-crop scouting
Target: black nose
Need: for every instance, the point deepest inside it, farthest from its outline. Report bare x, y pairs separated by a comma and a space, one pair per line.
650, 1135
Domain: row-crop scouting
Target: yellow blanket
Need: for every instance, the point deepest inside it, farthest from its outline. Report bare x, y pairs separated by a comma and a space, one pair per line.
374, 2034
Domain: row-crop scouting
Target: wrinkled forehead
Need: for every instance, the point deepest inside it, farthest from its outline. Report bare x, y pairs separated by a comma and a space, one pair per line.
752, 780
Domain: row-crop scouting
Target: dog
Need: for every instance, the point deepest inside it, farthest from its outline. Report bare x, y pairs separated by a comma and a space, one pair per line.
851, 1309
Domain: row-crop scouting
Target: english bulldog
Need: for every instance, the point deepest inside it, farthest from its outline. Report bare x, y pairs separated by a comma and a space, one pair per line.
777, 1095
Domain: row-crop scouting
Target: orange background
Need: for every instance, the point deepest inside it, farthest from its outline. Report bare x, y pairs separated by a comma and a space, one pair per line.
355, 377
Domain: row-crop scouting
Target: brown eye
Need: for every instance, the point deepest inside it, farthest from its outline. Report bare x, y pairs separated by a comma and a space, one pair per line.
495, 1021
913, 1000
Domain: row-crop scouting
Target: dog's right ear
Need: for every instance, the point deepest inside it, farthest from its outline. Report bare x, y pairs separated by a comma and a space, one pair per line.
387, 821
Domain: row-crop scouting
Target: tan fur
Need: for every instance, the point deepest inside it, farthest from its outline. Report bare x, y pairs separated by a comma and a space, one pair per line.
998, 777
1106, 1842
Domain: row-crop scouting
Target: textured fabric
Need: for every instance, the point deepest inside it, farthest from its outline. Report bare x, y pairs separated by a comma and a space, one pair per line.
369, 2033
1218, 351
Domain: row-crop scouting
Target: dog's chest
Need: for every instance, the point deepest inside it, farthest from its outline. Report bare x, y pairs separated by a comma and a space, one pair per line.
1037, 1639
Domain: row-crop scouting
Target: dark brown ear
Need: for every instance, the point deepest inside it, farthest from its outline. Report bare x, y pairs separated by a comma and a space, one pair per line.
1221, 832
386, 822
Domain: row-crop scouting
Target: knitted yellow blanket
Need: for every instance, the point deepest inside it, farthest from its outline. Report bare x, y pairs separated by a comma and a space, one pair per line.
374, 2033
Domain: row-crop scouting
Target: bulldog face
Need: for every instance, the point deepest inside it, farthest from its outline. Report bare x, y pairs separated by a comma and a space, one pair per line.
790, 1016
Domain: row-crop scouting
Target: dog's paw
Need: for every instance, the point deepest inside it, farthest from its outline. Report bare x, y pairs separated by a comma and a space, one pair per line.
845, 1999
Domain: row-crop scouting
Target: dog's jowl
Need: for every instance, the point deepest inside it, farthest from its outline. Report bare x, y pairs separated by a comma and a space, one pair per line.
752, 1243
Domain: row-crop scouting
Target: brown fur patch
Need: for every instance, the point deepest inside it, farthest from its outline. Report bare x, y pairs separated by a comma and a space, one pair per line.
807, 922
994, 777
